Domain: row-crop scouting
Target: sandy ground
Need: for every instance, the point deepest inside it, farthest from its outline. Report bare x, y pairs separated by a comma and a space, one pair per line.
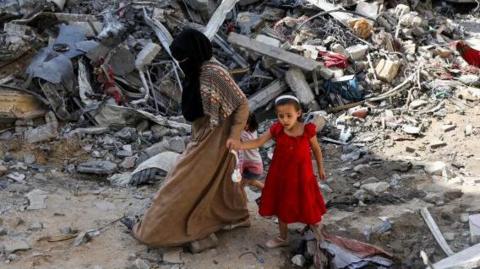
82, 203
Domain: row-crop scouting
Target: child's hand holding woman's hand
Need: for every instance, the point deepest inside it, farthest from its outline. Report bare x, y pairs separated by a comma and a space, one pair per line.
233, 144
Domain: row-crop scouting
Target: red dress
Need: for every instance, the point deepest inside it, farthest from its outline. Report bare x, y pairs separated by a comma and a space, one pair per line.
291, 190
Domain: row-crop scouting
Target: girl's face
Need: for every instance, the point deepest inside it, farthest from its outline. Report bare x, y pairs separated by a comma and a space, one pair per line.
288, 115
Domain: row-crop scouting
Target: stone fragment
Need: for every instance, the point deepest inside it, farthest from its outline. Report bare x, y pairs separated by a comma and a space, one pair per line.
173, 256
370, 10
45, 132
357, 52
3, 170
409, 149
387, 70
376, 188
435, 168
97, 167
464, 217
413, 130
468, 131
37, 199
418, 103
176, 144
128, 162
436, 143
17, 177
248, 21
14, 245
298, 260
29, 158
36, 226
449, 236
448, 127
3, 231
141, 264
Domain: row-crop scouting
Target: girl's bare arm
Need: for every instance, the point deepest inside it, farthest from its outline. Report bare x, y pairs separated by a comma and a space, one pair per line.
256, 143
317, 152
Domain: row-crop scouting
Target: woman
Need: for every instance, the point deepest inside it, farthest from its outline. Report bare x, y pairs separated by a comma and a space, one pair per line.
199, 197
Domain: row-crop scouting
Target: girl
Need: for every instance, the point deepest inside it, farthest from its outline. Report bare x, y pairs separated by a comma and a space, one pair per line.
291, 190
251, 164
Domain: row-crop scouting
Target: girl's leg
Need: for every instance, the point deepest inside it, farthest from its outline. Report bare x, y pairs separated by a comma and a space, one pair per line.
282, 240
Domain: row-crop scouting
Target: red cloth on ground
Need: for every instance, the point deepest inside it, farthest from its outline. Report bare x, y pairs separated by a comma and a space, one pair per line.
291, 190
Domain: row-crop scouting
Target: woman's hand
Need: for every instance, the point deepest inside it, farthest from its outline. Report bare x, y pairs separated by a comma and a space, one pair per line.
233, 144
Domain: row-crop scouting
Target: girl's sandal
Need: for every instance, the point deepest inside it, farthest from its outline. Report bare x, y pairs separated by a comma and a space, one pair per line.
276, 243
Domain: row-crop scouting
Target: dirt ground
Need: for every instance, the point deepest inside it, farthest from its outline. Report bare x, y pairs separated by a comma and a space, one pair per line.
81, 203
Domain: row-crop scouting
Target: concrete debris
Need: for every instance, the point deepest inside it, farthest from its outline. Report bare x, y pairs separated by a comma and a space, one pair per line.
97, 167
298, 260
387, 70
141, 264
173, 256
14, 245
435, 168
37, 199
376, 188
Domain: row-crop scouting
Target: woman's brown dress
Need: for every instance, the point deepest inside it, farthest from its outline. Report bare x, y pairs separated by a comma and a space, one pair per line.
199, 197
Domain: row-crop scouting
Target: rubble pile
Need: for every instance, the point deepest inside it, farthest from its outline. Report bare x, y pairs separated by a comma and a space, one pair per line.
96, 80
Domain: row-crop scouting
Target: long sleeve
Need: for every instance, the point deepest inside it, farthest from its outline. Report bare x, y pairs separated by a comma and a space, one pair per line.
240, 116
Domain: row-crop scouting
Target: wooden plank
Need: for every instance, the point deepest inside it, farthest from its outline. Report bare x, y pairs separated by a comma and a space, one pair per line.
218, 18
466, 259
17, 105
265, 95
274, 52
436, 231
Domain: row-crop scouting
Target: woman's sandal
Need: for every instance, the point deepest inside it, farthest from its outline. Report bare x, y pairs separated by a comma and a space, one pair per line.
242, 224
208, 242
276, 243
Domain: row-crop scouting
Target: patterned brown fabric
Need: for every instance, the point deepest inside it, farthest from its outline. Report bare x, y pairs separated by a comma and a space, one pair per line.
220, 94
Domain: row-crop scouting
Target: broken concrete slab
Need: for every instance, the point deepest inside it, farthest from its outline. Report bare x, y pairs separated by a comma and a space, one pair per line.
369, 10
276, 53
437, 143
264, 96
37, 199
268, 40
147, 54
173, 256
299, 85
45, 132
97, 167
412, 130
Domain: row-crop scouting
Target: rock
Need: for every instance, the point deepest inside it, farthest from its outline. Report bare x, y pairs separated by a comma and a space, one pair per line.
357, 52
17, 177
45, 132
12, 257
120, 180
3, 231
464, 217
66, 230
3, 170
436, 143
448, 127
361, 168
176, 144
128, 162
435, 198
311, 248
468, 79
376, 188
37, 199
449, 236
370, 10
435, 168
14, 245
128, 134
409, 149
338, 48
97, 167
418, 103
468, 131
298, 260
387, 70
357, 184
173, 256
141, 264
35, 226
29, 158
409, 129
126, 151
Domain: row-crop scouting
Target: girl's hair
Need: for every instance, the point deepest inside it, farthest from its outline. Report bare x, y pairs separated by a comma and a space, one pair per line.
252, 124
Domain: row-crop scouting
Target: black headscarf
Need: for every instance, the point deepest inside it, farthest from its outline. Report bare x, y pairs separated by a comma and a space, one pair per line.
191, 48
